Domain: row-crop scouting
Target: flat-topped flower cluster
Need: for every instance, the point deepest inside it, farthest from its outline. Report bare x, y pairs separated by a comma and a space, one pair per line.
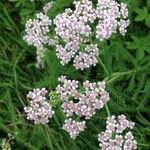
74, 127
78, 30
37, 33
114, 137
82, 103
77, 27
39, 110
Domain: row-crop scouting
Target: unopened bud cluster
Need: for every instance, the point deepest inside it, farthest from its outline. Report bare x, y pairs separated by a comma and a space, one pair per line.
39, 110
5, 144
117, 135
81, 103
54, 98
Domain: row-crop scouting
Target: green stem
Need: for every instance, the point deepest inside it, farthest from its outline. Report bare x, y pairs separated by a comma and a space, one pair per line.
107, 110
119, 74
62, 113
124, 73
147, 145
47, 135
16, 78
103, 65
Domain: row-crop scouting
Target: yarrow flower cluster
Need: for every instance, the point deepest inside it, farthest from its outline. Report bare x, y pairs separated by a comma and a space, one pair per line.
85, 60
36, 34
112, 16
37, 31
74, 127
114, 137
81, 103
39, 110
75, 28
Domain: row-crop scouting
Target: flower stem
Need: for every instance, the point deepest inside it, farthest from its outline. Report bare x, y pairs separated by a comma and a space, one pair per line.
107, 110
147, 145
103, 65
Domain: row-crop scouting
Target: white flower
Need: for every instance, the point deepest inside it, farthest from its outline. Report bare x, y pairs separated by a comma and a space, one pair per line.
86, 59
112, 16
39, 110
93, 97
112, 138
74, 127
37, 34
37, 29
76, 28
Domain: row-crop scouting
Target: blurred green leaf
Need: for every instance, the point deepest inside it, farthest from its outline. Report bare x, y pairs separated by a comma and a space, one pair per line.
142, 14
147, 21
140, 43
